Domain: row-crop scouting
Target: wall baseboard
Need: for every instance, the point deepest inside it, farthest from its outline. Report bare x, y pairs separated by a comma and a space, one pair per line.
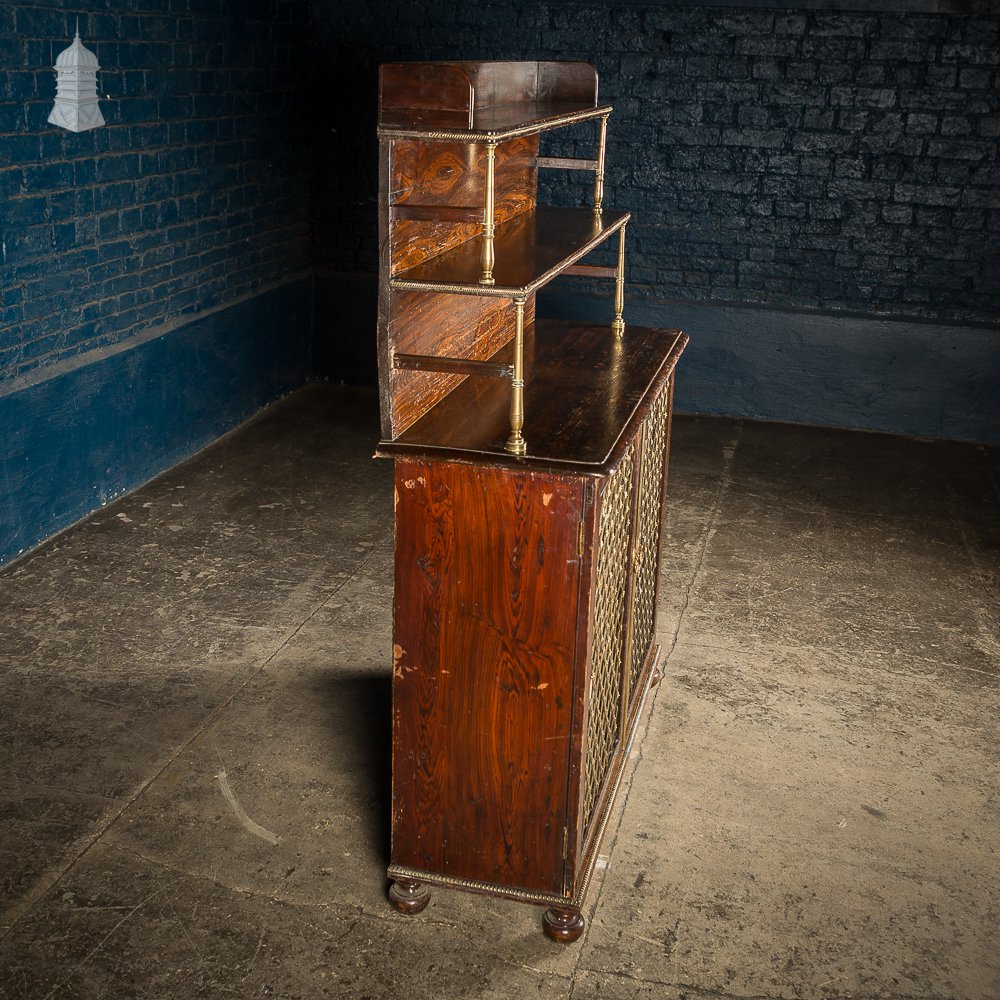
88, 434
345, 335
895, 376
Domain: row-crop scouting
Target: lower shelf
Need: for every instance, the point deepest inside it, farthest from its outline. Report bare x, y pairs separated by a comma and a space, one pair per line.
582, 388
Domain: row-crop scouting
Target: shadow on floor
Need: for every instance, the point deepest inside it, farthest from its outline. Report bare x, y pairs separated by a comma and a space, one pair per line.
359, 706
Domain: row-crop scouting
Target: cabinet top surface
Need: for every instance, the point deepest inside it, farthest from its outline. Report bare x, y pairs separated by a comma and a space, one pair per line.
583, 387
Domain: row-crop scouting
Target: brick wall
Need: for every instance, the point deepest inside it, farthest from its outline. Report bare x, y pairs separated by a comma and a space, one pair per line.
195, 194
844, 162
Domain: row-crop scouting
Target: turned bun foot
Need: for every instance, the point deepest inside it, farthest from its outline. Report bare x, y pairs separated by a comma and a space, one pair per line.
563, 925
656, 678
408, 896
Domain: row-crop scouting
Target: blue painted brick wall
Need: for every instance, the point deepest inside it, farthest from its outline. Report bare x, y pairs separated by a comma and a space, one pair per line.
196, 192
846, 162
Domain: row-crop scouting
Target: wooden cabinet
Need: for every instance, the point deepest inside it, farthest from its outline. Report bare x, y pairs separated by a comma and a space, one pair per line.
530, 481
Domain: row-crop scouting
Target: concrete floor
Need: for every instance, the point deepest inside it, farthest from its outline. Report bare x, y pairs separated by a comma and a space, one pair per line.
194, 737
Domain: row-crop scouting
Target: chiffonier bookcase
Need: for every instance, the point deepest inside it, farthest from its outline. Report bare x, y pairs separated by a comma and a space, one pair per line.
530, 481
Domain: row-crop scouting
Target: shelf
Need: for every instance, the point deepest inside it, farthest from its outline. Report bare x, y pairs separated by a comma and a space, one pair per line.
487, 124
531, 249
582, 389
484, 101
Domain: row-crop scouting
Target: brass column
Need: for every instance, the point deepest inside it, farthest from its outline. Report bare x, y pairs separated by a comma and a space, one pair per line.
618, 324
599, 174
488, 258
516, 444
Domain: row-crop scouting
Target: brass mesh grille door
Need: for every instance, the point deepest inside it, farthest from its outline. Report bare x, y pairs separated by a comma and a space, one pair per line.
647, 543
604, 704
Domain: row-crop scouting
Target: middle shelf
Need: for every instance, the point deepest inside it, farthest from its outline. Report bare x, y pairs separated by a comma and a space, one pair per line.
531, 249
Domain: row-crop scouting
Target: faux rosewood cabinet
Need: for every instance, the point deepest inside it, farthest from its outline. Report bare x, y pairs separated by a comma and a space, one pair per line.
530, 482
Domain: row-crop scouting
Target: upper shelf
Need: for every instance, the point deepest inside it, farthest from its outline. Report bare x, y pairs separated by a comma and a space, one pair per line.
531, 249
484, 101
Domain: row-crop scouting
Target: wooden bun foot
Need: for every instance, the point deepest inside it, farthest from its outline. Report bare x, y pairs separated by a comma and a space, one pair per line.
563, 925
656, 677
408, 897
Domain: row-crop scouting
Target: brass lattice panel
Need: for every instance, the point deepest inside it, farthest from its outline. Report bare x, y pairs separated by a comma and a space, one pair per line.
604, 703
654, 444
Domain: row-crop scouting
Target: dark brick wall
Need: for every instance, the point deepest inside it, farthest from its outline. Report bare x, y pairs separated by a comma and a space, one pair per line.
844, 162
195, 194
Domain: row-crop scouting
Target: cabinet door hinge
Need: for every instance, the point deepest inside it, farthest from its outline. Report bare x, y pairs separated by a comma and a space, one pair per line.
579, 539
565, 842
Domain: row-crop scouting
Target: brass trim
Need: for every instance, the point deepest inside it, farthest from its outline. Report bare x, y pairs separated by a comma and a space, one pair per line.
648, 532
488, 256
474, 885
603, 730
498, 135
597, 833
618, 323
637, 474
508, 291
516, 444
602, 144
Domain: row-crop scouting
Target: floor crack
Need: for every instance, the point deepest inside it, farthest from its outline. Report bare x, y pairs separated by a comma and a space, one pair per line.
79, 849
725, 481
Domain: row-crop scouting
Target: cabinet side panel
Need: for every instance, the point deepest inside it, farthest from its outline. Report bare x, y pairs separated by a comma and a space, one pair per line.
451, 175
487, 581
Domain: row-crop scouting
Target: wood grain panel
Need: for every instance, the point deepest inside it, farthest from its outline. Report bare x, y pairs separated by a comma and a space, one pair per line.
460, 326
438, 86
451, 175
486, 595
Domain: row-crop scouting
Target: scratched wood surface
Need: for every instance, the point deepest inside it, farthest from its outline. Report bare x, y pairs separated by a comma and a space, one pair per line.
452, 175
486, 591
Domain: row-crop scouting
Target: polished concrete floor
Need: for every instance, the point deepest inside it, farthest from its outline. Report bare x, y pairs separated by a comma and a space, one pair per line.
194, 735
